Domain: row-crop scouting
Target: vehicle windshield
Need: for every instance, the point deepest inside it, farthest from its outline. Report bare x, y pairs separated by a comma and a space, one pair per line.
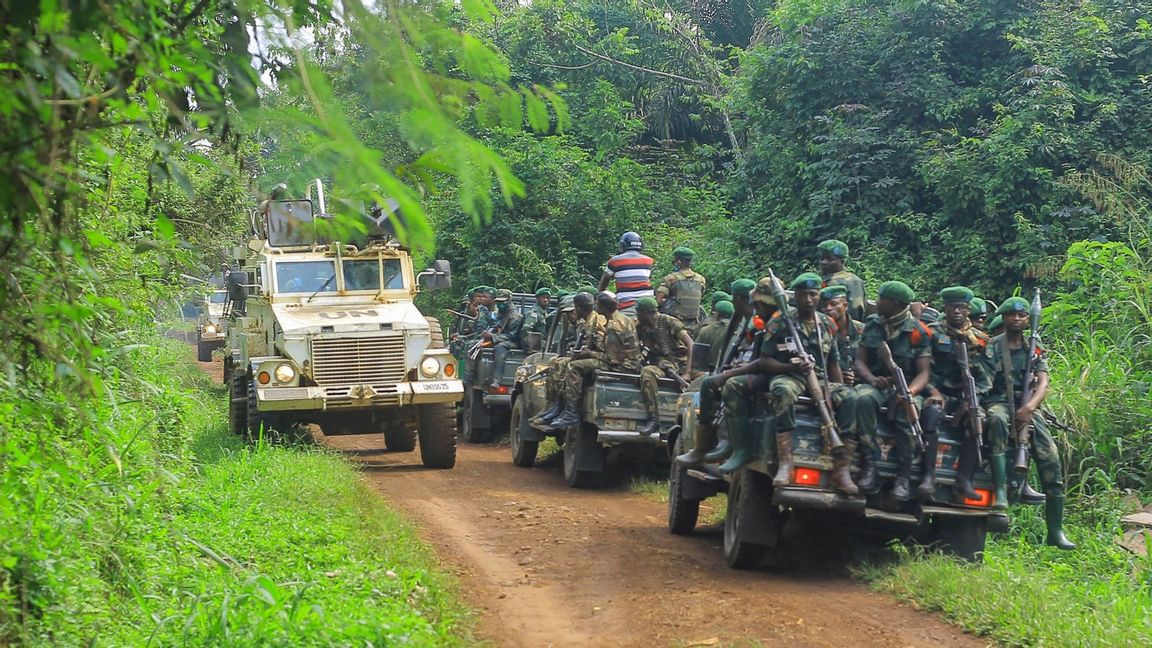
365, 274
306, 276
218, 297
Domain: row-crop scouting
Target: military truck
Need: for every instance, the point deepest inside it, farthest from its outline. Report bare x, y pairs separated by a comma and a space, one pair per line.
211, 326
758, 512
485, 408
326, 332
613, 411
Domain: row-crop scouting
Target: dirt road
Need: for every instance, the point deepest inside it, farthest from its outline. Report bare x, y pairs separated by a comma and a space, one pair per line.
552, 566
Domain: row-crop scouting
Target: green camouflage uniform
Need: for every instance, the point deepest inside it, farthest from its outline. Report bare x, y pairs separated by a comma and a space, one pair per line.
855, 287
1001, 417
621, 353
664, 351
848, 345
684, 292
786, 389
712, 334
590, 335
741, 347
536, 321
947, 376
912, 341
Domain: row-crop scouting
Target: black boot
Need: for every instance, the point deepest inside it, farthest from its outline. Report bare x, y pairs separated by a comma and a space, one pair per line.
498, 356
1054, 517
550, 414
1029, 495
722, 451
867, 481
927, 486
900, 487
569, 417
966, 466
650, 427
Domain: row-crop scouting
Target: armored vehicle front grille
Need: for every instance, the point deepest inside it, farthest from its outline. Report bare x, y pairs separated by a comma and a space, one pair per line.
358, 361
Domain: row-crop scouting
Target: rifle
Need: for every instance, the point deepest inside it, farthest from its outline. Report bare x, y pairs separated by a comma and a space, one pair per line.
903, 394
459, 314
795, 346
543, 373
1024, 432
975, 418
671, 373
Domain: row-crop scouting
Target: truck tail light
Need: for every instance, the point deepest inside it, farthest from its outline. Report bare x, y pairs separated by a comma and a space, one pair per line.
502, 390
806, 477
984, 499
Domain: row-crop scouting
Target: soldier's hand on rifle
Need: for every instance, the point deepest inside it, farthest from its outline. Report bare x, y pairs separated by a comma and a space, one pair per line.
848, 375
1024, 415
935, 398
487, 335
801, 365
881, 382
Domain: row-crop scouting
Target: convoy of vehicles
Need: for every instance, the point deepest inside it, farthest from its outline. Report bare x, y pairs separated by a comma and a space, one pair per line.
485, 409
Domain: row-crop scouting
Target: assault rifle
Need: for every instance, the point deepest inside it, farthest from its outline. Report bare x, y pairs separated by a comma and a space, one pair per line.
975, 419
543, 373
471, 318
795, 345
1024, 432
903, 393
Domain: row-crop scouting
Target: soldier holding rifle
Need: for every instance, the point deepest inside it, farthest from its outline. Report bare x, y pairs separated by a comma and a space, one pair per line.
892, 334
1019, 386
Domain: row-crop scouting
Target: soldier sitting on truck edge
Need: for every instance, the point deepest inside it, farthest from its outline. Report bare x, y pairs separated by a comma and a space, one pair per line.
946, 394
536, 320
818, 337
712, 333
681, 293
589, 326
1007, 359
834, 304
506, 335
909, 342
735, 348
668, 347
833, 253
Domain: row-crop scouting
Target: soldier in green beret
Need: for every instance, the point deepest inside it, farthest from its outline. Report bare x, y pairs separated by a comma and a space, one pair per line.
719, 296
713, 332
536, 321
978, 313
909, 341
834, 304
681, 293
833, 254
1008, 358
666, 346
996, 326
737, 348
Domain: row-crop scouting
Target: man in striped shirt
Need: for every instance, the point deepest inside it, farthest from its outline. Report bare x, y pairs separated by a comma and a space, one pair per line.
632, 272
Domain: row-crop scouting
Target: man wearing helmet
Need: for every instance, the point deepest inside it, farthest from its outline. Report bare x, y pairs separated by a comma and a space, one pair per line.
632, 272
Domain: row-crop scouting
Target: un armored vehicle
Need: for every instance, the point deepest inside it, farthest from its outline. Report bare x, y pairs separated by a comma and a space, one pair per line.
326, 332
762, 520
211, 326
613, 412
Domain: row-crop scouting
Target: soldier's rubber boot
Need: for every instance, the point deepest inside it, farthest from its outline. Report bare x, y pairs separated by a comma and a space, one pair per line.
927, 488
722, 451
901, 487
569, 417
498, 356
742, 445
1054, 518
650, 427
867, 482
705, 441
550, 414
841, 479
964, 469
999, 465
1029, 495
784, 465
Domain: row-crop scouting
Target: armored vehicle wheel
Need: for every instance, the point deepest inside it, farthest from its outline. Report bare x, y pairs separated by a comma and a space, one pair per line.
574, 449
238, 405
398, 437
437, 425
962, 537
682, 513
749, 507
473, 410
260, 423
523, 451
203, 352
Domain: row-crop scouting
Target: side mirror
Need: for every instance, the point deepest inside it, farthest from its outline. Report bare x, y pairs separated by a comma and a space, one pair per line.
701, 357
438, 277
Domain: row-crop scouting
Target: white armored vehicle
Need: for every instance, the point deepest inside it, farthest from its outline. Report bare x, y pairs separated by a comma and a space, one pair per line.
327, 333
211, 327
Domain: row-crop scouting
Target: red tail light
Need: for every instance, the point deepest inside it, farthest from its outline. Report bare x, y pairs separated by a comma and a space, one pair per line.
985, 498
502, 390
806, 477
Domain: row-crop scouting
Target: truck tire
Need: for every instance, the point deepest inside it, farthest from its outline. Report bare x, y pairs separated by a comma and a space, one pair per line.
473, 400
963, 537
749, 501
682, 513
523, 451
261, 423
398, 437
203, 351
238, 405
573, 457
437, 425
437, 332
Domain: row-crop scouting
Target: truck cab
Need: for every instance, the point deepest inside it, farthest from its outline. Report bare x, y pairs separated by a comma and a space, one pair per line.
211, 325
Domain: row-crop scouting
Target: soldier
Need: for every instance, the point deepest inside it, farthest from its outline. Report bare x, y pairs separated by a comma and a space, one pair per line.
621, 353
946, 394
668, 347
632, 272
536, 321
910, 344
978, 313
834, 304
712, 332
833, 253
1007, 358
996, 326
506, 335
736, 348
681, 293
582, 316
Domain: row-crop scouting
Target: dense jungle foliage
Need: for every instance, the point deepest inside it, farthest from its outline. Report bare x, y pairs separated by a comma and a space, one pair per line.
998, 143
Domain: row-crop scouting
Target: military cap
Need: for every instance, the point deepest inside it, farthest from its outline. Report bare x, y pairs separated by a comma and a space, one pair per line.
583, 299
568, 303
647, 304
763, 292
806, 281
683, 252
996, 323
832, 292
503, 295
743, 288
1014, 305
485, 289
956, 294
588, 288
544, 292
720, 296
834, 247
897, 291
606, 297
725, 308
978, 306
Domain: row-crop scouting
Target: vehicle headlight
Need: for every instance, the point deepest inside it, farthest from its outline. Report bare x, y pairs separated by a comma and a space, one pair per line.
209, 328
429, 366
285, 373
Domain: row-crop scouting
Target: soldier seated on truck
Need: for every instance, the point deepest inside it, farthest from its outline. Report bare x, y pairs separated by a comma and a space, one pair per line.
712, 333
536, 320
621, 353
505, 335
667, 347
589, 326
